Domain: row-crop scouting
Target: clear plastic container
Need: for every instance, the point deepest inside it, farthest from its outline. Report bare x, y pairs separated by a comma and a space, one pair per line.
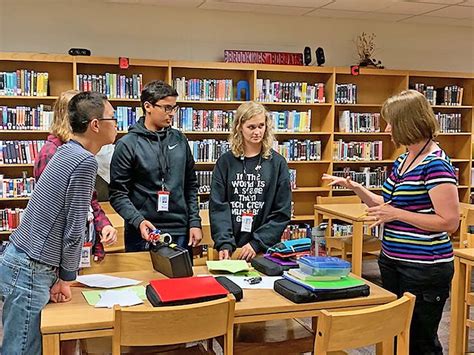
324, 266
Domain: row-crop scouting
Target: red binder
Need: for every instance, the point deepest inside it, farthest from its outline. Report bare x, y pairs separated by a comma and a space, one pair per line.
184, 290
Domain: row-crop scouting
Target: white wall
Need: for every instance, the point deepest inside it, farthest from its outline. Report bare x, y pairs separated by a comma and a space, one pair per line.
192, 34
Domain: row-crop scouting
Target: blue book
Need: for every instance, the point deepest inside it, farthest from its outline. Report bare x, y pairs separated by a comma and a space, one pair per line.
343, 283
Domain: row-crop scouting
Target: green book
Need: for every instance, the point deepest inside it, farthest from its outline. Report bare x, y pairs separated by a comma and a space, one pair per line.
344, 282
229, 266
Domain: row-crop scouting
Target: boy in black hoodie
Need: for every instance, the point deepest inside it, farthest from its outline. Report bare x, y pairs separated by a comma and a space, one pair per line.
152, 179
250, 202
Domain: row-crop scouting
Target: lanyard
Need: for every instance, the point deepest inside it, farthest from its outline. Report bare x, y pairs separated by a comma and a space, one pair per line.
244, 166
408, 168
162, 155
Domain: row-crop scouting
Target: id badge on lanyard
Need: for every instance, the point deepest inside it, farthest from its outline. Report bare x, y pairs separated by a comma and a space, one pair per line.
247, 221
163, 198
86, 254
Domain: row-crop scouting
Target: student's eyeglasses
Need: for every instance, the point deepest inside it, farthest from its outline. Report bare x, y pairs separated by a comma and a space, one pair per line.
109, 119
167, 108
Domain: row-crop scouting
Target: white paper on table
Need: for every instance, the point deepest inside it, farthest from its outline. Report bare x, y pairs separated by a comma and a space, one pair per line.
105, 281
266, 283
123, 298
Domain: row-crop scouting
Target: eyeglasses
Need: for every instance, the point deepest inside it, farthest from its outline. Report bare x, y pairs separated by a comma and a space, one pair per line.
167, 108
109, 119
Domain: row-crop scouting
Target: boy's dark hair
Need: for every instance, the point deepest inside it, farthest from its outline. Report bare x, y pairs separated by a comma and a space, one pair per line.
83, 107
156, 90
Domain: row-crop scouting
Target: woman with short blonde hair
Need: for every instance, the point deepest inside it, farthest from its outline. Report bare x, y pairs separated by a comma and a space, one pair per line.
61, 127
250, 202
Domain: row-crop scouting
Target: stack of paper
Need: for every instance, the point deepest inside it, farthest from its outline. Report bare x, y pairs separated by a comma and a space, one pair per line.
123, 298
105, 281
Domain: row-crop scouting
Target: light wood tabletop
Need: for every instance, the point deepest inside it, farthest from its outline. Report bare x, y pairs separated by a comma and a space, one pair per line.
78, 320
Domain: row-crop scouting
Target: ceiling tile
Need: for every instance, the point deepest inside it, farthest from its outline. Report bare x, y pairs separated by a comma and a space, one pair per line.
174, 3
438, 21
359, 5
334, 13
377, 16
444, 2
289, 3
275, 10
458, 12
467, 3
410, 8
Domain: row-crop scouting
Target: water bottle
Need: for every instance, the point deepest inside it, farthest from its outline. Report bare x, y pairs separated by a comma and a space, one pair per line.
318, 240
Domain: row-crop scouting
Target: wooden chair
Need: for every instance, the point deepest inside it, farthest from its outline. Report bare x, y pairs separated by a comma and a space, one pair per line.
337, 331
145, 326
370, 244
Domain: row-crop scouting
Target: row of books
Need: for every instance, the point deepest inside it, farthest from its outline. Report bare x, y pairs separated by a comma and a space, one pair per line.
127, 116
189, 119
19, 152
16, 187
345, 230
204, 89
115, 86
367, 176
208, 150
291, 121
357, 151
26, 118
24, 82
292, 178
291, 92
204, 178
355, 122
449, 122
448, 96
346, 94
296, 150
296, 231
10, 218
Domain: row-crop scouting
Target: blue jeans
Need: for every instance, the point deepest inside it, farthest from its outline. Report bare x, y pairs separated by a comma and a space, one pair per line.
25, 286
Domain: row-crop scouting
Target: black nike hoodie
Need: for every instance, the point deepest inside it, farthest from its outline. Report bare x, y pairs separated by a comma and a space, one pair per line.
142, 160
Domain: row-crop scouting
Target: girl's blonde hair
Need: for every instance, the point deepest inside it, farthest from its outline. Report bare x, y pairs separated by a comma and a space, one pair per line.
411, 117
61, 126
245, 112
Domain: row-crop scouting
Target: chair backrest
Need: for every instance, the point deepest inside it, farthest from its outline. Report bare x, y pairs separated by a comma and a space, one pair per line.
338, 331
337, 199
146, 326
119, 262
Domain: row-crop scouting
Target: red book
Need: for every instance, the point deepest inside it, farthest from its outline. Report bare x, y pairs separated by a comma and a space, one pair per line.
187, 289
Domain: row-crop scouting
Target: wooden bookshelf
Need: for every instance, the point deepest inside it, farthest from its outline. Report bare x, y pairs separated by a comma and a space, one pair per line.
374, 86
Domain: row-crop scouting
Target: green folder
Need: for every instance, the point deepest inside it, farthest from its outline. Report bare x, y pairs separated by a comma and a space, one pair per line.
344, 282
92, 297
230, 266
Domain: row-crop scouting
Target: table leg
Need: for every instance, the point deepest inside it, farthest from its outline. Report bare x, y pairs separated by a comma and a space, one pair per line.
51, 344
357, 239
458, 292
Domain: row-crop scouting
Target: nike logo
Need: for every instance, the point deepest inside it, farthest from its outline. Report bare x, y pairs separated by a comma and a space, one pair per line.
171, 147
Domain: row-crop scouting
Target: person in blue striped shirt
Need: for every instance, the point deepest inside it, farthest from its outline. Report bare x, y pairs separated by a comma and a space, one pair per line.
44, 252
419, 206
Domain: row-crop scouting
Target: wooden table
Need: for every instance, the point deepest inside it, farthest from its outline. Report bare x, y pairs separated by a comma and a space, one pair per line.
78, 320
463, 261
350, 213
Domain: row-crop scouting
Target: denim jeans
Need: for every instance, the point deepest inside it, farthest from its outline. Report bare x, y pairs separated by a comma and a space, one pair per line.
25, 286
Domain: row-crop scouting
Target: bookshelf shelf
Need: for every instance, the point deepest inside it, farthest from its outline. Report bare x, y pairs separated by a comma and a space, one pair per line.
14, 199
13, 97
374, 86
